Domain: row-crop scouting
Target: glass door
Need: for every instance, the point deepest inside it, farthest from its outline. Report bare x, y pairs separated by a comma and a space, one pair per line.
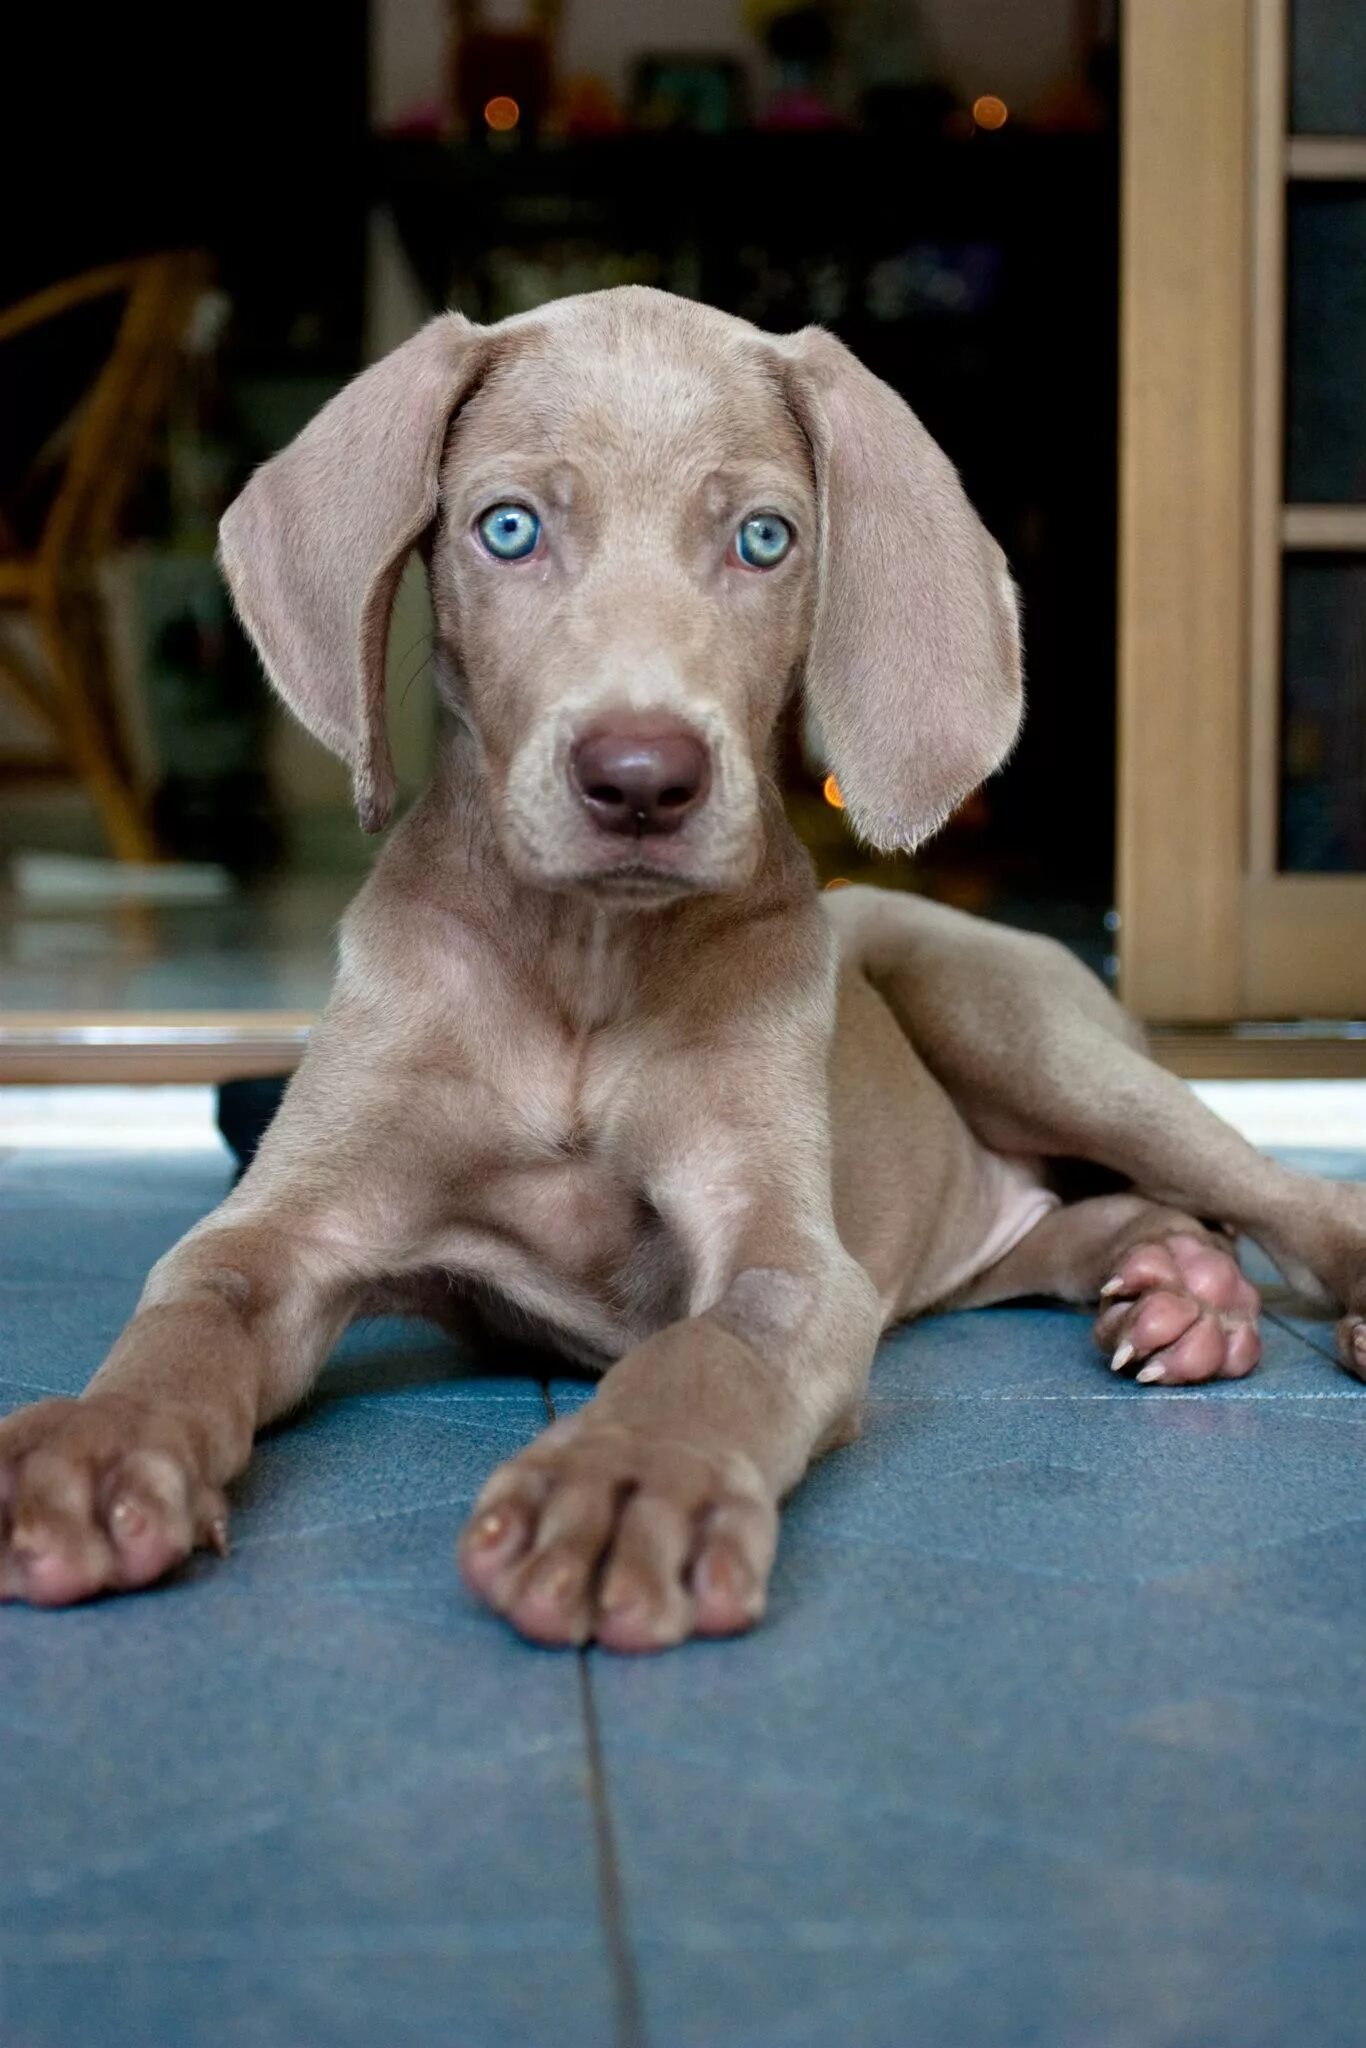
1306, 884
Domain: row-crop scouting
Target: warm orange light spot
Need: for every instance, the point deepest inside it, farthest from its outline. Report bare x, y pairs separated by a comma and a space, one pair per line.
989, 112
501, 113
839, 882
830, 790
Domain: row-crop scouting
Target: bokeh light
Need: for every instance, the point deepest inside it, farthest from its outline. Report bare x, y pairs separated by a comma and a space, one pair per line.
502, 113
989, 112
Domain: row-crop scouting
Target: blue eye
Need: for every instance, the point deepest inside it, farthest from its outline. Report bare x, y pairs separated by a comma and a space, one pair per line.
763, 540
509, 532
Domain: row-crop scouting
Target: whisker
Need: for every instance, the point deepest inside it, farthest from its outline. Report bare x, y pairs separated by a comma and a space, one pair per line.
403, 696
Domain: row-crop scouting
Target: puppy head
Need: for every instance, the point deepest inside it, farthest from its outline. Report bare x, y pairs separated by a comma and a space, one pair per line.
643, 520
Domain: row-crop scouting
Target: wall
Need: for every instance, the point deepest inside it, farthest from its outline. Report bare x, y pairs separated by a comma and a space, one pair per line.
1017, 48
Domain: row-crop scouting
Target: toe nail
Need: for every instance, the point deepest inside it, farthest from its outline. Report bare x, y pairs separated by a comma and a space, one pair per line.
1115, 1286
489, 1529
725, 1578
1148, 1375
218, 1535
127, 1518
1122, 1357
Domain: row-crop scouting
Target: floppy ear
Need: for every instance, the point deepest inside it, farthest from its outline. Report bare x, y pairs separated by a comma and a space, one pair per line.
314, 547
913, 671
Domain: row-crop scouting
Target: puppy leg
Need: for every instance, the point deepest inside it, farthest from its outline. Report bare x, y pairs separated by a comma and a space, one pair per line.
1173, 1306
107, 1493
1038, 1058
652, 1513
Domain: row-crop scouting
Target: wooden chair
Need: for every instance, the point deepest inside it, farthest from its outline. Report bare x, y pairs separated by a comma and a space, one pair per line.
101, 452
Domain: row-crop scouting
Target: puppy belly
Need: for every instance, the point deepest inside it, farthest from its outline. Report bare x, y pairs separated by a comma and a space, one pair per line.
1013, 1198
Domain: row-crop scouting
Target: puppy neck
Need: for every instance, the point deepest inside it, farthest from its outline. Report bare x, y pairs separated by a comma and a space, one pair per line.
450, 847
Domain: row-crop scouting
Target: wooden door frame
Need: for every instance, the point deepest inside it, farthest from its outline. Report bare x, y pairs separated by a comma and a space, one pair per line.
132, 1046
1209, 930
1184, 440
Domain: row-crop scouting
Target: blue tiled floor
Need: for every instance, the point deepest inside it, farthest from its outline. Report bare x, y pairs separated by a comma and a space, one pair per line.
1055, 1734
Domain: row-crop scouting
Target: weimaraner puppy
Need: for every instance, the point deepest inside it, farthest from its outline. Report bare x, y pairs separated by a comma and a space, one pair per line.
601, 1066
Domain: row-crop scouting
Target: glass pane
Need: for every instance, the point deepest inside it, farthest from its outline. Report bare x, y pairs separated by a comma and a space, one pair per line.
1326, 345
1328, 67
1323, 736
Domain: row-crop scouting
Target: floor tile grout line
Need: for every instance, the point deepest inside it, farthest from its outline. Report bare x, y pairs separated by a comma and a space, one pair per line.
1319, 1350
630, 2012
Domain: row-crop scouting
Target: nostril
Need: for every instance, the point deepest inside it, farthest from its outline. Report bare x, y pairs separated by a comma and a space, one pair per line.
640, 777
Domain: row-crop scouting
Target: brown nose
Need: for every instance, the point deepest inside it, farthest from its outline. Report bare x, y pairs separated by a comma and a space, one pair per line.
640, 779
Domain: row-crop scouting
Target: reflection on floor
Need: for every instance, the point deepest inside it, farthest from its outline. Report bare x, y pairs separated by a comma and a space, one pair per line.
1329, 1115
270, 948
271, 944
1053, 1735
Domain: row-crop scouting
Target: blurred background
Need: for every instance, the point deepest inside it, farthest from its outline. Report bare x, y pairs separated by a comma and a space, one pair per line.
288, 192
222, 214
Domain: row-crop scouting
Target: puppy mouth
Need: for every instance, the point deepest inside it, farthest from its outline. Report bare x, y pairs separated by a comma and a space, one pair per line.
648, 871
636, 881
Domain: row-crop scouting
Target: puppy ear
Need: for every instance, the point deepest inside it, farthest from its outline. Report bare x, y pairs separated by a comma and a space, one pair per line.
913, 670
314, 547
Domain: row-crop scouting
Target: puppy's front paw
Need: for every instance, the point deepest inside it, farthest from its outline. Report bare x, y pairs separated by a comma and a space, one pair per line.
598, 1533
98, 1496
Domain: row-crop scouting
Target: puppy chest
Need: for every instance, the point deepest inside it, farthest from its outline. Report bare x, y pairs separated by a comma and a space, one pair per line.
558, 1181
577, 1219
